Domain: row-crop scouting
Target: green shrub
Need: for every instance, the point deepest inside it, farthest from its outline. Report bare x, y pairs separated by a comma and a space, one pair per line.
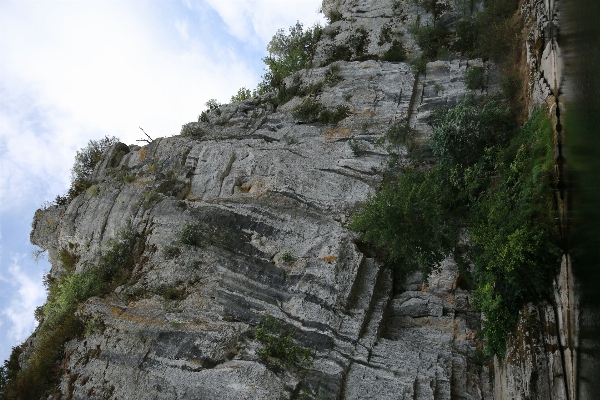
128, 178
192, 129
474, 78
385, 35
203, 117
86, 160
466, 37
116, 263
332, 75
93, 325
497, 32
242, 94
43, 370
332, 32
490, 189
193, 235
150, 197
398, 137
431, 39
88, 157
287, 257
170, 252
462, 133
333, 16
287, 92
396, 53
515, 241
403, 219
355, 147
335, 116
511, 89
58, 323
289, 53
339, 52
10, 370
308, 111
419, 64
359, 42
173, 293
278, 344
213, 104
68, 259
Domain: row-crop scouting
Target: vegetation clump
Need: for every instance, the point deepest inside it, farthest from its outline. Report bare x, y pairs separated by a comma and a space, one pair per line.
289, 53
399, 139
86, 160
242, 94
311, 110
278, 344
488, 203
475, 78
58, 322
193, 129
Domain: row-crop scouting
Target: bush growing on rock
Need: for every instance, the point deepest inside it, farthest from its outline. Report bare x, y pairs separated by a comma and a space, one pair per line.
289, 53
58, 322
462, 133
278, 343
474, 79
492, 191
192, 129
242, 94
86, 160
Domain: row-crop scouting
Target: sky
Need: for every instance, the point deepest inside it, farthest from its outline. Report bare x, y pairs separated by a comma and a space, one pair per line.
72, 71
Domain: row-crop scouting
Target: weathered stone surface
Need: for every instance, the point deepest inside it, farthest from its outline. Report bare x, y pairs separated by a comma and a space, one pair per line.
273, 196
260, 186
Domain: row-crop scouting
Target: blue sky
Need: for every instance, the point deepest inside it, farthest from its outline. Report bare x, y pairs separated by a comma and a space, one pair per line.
71, 71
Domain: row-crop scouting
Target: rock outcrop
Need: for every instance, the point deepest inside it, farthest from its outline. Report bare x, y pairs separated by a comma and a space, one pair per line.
271, 197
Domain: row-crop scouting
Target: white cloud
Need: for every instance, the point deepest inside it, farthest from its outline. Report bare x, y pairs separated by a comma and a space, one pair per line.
182, 28
257, 20
17, 317
72, 71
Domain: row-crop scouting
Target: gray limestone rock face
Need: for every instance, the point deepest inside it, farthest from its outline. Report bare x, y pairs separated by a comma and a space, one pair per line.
271, 197
268, 197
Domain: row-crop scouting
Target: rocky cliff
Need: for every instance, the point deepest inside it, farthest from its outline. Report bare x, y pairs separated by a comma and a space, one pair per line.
267, 198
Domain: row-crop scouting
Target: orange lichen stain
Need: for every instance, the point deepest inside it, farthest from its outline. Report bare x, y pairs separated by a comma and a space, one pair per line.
368, 112
336, 133
328, 259
143, 153
116, 311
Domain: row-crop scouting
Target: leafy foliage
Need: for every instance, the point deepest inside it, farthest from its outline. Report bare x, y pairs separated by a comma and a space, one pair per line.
88, 157
289, 53
193, 129
333, 16
431, 39
497, 32
398, 139
86, 160
488, 188
403, 219
396, 53
279, 343
474, 79
311, 110
461, 134
169, 252
242, 94
515, 243
58, 323
68, 259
